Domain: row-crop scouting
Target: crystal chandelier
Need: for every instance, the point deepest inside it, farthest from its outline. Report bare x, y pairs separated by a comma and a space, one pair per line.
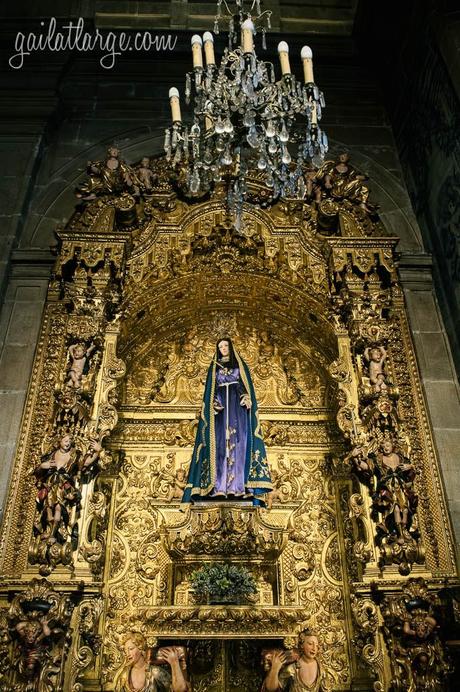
243, 119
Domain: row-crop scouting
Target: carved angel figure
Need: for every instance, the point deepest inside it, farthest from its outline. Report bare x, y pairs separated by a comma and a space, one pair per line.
168, 484
312, 187
165, 674
58, 494
297, 671
340, 180
394, 498
361, 464
105, 177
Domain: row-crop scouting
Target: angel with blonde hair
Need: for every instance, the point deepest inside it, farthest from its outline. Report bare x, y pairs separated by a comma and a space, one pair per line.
137, 675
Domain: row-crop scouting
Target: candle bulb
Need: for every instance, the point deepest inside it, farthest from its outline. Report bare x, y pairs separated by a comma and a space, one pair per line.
307, 59
175, 105
196, 51
208, 41
247, 36
283, 51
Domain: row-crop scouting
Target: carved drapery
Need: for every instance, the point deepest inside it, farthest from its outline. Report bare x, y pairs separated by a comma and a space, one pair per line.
144, 283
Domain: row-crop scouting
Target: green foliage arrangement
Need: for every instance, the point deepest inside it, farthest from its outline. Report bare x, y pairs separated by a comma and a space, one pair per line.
216, 581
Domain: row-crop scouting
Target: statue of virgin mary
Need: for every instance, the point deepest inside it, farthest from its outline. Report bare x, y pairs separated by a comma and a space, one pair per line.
229, 459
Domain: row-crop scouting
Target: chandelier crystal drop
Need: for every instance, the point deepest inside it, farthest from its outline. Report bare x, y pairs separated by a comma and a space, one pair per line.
243, 117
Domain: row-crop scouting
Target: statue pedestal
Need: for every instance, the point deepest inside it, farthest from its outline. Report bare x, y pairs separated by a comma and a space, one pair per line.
224, 532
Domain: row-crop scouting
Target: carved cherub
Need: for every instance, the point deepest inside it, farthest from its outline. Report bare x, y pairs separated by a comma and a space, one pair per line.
380, 384
145, 176
376, 356
79, 356
166, 482
312, 188
179, 481
275, 494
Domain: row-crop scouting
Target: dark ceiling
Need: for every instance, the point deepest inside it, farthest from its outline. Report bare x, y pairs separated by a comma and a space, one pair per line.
333, 17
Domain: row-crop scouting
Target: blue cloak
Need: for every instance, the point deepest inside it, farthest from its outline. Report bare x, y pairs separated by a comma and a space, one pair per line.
206, 456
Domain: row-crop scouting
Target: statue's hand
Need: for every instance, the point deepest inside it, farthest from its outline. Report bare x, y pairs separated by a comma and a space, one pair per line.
217, 406
278, 661
95, 445
245, 401
170, 655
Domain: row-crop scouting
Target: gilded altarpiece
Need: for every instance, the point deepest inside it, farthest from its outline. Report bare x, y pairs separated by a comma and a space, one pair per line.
355, 541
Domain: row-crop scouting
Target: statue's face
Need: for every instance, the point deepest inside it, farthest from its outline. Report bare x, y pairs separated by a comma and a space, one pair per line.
375, 355
180, 475
30, 633
145, 162
66, 442
133, 653
421, 629
79, 351
224, 347
344, 157
310, 647
387, 447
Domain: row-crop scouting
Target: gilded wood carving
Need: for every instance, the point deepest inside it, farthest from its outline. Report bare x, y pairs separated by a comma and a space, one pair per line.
309, 291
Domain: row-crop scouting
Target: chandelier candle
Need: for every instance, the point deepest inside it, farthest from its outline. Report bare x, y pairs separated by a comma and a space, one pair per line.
307, 59
197, 52
175, 105
208, 41
283, 51
247, 36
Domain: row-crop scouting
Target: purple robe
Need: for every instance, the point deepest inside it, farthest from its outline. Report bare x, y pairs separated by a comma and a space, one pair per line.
230, 472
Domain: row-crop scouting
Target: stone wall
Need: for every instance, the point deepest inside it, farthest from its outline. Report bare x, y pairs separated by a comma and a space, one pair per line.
416, 62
